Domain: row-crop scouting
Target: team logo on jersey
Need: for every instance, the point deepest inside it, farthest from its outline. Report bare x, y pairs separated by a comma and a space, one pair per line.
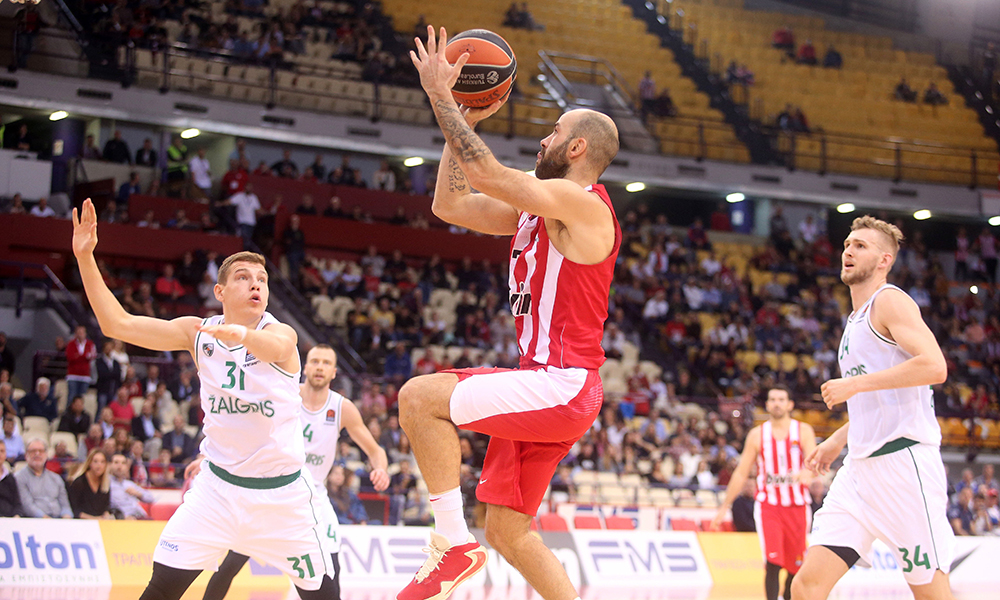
520, 303
331, 415
208, 349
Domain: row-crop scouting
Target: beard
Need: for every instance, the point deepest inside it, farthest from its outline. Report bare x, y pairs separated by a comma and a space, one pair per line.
858, 275
553, 164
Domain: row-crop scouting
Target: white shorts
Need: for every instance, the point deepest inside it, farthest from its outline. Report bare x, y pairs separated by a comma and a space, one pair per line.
281, 526
330, 524
900, 498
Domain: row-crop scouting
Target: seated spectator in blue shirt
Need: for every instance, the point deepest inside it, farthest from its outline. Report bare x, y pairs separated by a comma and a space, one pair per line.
12, 439
398, 363
41, 402
132, 186
960, 513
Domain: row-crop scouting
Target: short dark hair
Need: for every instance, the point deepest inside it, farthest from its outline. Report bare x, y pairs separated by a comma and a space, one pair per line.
779, 387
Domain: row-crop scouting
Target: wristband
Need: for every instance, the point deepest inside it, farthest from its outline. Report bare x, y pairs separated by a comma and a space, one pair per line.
243, 332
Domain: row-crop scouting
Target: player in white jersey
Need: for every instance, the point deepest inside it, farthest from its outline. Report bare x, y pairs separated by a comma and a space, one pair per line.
254, 496
324, 414
778, 447
892, 486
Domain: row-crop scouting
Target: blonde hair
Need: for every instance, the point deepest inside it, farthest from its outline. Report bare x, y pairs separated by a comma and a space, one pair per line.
106, 478
891, 231
245, 256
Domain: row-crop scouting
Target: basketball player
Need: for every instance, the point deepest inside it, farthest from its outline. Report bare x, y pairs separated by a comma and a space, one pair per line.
782, 503
254, 496
892, 485
324, 414
566, 239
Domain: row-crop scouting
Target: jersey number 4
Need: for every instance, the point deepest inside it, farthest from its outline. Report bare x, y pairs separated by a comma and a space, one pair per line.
232, 376
307, 433
918, 560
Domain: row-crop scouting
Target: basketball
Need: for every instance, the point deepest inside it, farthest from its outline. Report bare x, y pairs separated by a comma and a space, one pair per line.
491, 69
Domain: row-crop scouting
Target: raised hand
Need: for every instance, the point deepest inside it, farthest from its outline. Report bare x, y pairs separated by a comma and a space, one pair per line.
437, 75
84, 229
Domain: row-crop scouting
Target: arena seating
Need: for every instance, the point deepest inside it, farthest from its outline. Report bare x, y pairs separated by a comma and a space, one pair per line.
855, 101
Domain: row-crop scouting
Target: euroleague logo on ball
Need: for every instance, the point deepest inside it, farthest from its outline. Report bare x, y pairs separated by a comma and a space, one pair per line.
492, 77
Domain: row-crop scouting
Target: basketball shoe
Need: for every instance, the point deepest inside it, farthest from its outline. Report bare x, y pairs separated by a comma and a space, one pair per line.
445, 568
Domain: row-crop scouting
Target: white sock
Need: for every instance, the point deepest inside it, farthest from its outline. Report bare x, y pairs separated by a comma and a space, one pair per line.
449, 518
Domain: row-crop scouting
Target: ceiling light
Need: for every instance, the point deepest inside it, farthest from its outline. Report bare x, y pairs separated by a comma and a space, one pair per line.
413, 161
58, 115
735, 197
974, 289
922, 214
845, 208
635, 186
994, 221
190, 133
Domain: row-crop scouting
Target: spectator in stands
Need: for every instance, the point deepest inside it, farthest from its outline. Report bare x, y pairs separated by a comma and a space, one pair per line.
962, 246
167, 286
808, 229
116, 150
8, 405
7, 360
307, 207
125, 191
94, 439
987, 245
807, 54
42, 209
647, 96
345, 174
181, 445
784, 39
161, 471
90, 149
294, 241
186, 387
697, 237
235, 179
12, 438
90, 493
79, 352
177, 167
960, 512
286, 167
107, 416
384, 178
41, 402
22, 141
146, 156
122, 413
349, 509
146, 426
904, 92
17, 206
656, 309
42, 492
833, 59
10, 499
247, 207
334, 209
719, 220
986, 481
125, 494
398, 364
933, 96
201, 176
75, 420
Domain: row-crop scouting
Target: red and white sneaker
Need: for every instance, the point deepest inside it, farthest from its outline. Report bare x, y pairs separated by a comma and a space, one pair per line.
445, 568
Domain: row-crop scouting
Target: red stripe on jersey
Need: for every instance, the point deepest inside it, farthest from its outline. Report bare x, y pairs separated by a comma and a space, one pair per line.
559, 306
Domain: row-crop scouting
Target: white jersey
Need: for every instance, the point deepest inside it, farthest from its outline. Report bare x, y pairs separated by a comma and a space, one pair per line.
252, 409
321, 433
878, 418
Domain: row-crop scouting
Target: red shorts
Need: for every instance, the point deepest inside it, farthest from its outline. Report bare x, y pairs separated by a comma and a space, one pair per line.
782, 532
534, 416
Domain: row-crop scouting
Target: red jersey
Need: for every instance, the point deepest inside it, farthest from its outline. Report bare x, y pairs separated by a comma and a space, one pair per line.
559, 306
778, 466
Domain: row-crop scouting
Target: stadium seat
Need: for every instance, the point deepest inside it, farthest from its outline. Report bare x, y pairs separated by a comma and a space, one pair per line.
683, 525
586, 522
617, 522
552, 522
162, 511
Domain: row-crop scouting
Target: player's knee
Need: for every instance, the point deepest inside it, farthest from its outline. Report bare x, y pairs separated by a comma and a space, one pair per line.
410, 399
803, 589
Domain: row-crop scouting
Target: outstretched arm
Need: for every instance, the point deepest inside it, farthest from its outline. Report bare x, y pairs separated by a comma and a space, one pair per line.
555, 198
455, 202
147, 332
355, 426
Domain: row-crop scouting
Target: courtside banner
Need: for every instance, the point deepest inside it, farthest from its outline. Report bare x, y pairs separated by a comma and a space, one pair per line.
641, 558
52, 553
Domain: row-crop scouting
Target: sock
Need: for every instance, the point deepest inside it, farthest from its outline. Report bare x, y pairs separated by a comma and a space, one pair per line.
449, 517
771, 585
788, 585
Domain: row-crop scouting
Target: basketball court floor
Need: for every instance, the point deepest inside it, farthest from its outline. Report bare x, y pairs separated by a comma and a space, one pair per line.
488, 593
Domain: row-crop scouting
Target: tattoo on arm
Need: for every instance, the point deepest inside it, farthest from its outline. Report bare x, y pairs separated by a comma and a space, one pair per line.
456, 178
463, 141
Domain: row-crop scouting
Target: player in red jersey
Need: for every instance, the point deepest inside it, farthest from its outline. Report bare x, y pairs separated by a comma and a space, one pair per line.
779, 447
566, 240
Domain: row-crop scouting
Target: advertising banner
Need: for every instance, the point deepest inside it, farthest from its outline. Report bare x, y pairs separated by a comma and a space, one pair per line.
52, 553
